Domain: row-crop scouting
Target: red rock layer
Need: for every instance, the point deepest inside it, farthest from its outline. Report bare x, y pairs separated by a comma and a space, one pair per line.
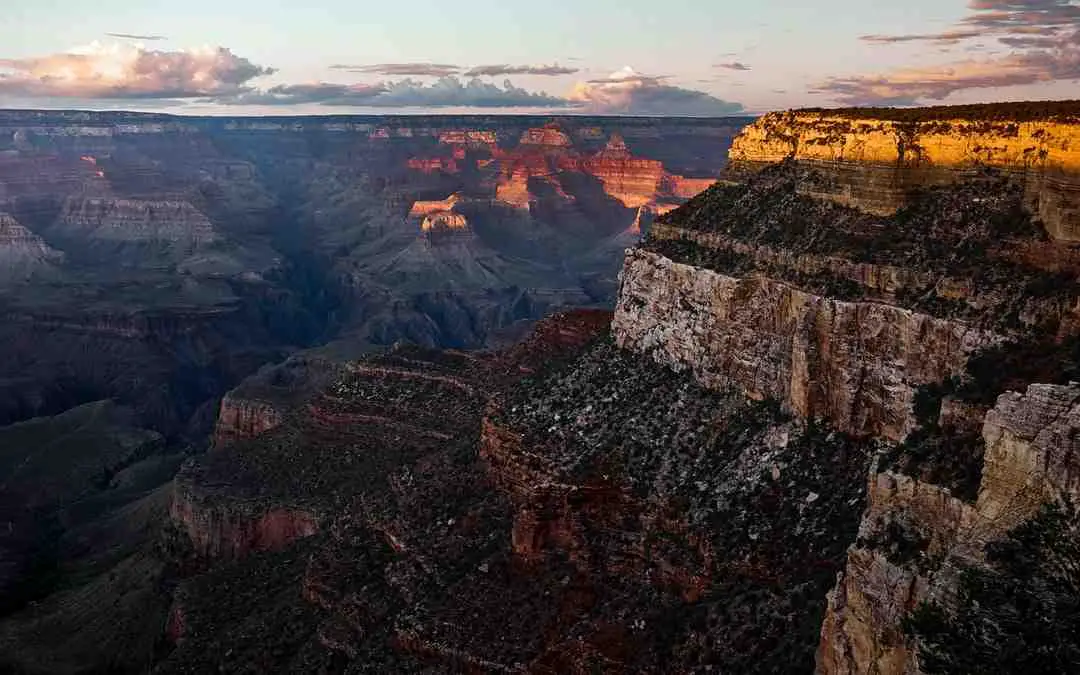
229, 530
433, 165
550, 136
244, 418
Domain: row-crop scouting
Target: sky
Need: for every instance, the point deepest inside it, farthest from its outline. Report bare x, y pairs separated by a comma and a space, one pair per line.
633, 57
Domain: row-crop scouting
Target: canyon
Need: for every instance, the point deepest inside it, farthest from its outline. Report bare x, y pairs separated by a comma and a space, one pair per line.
159, 260
195, 278
826, 425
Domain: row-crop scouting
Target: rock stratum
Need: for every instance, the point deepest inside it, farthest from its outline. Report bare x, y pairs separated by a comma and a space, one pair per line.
875, 160
23, 254
816, 434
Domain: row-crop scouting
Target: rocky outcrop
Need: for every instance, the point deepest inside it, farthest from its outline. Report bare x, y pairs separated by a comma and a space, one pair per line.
914, 535
634, 182
469, 137
224, 525
548, 136
421, 207
443, 221
240, 418
23, 254
514, 189
875, 161
856, 364
261, 402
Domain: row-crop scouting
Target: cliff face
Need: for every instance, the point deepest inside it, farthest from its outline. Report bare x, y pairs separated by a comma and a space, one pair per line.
229, 528
855, 364
916, 537
23, 254
892, 277
802, 431
244, 418
875, 163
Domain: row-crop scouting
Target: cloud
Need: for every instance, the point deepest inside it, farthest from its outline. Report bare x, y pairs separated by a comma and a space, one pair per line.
629, 92
907, 86
294, 94
129, 72
945, 37
503, 69
133, 36
1044, 33
425, 69
734, 65
1029, 41
446, 92
1010, 15
403, 69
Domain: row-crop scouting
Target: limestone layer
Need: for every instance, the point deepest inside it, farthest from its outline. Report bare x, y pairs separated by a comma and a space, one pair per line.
856, 364
875, 163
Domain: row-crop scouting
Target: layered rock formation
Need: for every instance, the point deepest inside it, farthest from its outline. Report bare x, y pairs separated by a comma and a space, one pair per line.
549, 136
547, 164
973, 476
916, 537
875, 160
126, 220
856, 364
23, 254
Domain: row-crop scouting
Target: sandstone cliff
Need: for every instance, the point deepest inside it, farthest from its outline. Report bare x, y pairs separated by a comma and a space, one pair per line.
875, 161
855, 364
